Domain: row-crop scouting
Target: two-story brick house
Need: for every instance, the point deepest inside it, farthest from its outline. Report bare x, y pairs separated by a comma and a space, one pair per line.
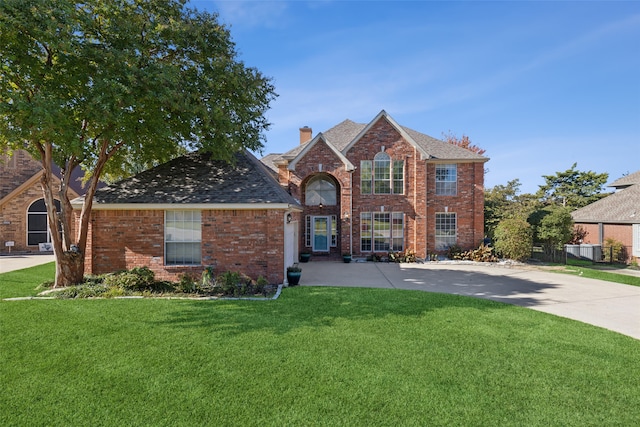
379, 187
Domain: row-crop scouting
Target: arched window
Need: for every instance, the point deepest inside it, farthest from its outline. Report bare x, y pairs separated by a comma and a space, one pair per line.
321, 190
37, 224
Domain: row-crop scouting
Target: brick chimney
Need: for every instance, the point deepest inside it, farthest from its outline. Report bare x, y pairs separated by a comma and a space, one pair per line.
305, 134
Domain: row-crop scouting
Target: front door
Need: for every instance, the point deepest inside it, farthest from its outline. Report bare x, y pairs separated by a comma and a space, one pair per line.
321, 233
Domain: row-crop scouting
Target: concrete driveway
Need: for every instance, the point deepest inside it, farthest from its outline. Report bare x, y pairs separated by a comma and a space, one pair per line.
18, 262
609, 305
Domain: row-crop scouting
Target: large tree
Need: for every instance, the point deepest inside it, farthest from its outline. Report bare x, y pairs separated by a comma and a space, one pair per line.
104, 84
573, 188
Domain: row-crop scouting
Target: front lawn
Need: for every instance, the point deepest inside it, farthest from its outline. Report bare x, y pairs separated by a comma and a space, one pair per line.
315, 356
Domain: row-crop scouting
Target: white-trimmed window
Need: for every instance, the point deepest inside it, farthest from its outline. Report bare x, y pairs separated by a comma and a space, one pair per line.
636, 240
321, 191
381, 231
447, 180
183, 237
38, 230
445, 231
382, 175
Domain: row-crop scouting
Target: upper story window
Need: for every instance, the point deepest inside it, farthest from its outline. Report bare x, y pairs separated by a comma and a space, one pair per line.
382, 175
321, 190
447, 180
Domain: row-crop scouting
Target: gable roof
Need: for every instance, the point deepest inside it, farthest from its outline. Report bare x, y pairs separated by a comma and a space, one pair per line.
621, 207
320, 138
626, 181
198, 179
347, 133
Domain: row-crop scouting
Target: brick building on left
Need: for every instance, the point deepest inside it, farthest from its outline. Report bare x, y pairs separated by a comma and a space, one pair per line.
23, 216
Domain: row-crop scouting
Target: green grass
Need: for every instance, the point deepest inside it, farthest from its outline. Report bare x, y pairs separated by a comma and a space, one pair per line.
315, 356
596, 272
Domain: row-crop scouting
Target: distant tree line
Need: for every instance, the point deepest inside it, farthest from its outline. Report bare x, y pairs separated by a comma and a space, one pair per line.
514, 220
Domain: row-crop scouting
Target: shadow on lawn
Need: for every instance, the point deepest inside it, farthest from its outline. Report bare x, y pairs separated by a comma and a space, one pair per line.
315, 307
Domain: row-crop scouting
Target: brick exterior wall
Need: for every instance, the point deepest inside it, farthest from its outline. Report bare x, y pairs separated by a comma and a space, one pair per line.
419, 202
623, 233
16, 173
247, 241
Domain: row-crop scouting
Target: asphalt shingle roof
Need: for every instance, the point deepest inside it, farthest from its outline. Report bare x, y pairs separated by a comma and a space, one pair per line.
196, 178
341, 135
625, 181
622, 207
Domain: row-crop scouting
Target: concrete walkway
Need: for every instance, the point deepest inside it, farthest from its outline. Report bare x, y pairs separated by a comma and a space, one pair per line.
18, 262
609, 305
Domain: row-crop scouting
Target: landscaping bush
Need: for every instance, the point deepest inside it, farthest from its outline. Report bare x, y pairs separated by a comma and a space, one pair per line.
405, 256
483, 253
136, 279
614, 251
514, 239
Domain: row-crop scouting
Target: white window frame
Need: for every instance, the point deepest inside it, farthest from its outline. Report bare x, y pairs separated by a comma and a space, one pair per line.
44, 214
635, 250
447, 179
388, 239
183, 233
443, 233
374, 176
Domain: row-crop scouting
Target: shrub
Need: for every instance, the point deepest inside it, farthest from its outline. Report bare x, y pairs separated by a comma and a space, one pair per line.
232, 283
136, 279
186, 283
514, 239
614, 251
483, 253
406, 256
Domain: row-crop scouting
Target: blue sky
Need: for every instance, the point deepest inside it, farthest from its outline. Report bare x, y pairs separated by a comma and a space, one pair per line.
539, 85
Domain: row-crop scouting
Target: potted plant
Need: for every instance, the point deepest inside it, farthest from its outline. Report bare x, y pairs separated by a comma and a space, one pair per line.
293, 275
305, 256
346, 257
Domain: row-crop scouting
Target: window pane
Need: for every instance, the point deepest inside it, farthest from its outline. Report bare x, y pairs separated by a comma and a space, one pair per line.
445, 230
382, 174
321, 190
365, 177
398, 177
35, 238
446, 180
365, 232
381, 231
183, 235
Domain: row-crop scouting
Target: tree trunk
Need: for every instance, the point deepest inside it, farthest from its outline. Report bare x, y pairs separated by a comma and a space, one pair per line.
69, 269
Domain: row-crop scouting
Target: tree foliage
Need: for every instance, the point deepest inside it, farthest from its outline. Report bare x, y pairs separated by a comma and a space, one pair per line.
514, 238
505, 201
464, 142
109, 84
553, 228
573, 188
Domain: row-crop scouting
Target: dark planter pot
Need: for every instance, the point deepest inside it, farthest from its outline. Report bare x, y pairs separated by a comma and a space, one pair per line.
305, 257
293, 277
346, 259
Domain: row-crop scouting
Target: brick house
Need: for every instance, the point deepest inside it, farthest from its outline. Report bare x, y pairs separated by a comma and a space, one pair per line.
616, 216
380, 187
193, 212
23, 216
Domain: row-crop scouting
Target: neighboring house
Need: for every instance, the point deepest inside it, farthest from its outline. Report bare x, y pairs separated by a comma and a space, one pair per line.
193, 212
23, 215
380, 187
616, 216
